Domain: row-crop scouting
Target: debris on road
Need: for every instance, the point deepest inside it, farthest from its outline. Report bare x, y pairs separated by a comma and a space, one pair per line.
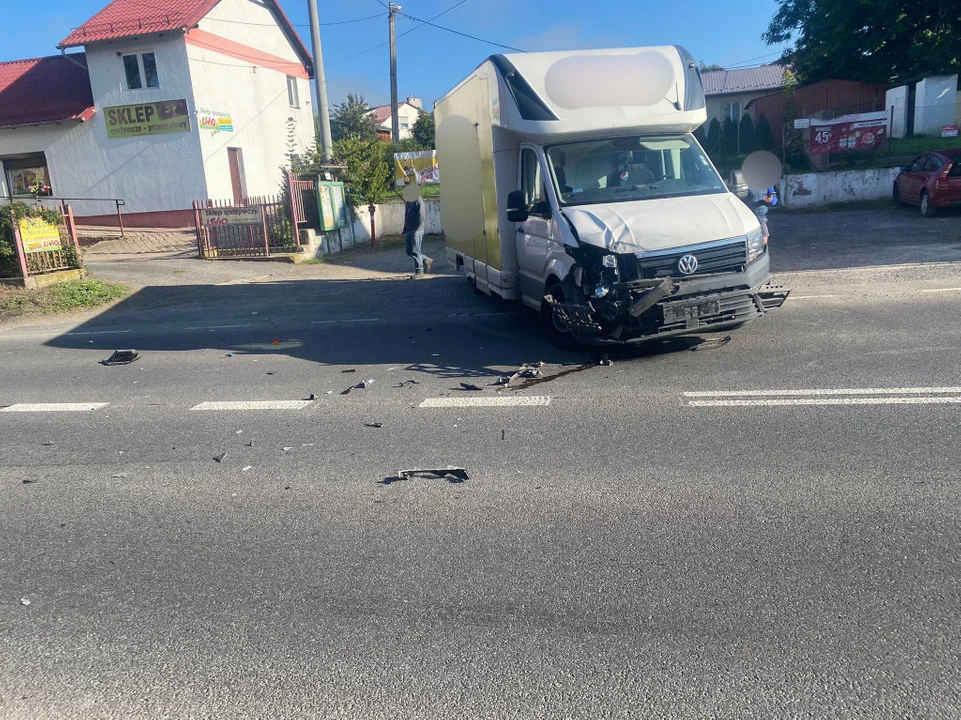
359, 386
47, 444
527, 371
29, 482
712, 344
229, 355
276, 342
348, 371
504, 380
247, 467
407, 382
374, 425
287, 449
503, 434
470, 387
121, 357
250, 444
220, 458
312, 397
24, 601
450, 473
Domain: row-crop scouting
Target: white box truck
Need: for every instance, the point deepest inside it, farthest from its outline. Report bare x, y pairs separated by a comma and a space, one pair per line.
572, 183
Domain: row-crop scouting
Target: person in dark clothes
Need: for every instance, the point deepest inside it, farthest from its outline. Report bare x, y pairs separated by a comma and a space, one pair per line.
414, 218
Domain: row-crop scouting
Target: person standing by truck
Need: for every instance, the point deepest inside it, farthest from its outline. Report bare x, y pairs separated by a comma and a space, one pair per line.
759, 203
414, 217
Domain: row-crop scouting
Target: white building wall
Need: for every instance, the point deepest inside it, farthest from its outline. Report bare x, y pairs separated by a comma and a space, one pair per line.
266, 128
152, 173
896, 103
936, 104
405, 114
830, 188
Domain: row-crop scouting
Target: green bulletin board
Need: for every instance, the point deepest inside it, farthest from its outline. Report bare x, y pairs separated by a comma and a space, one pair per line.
332, 200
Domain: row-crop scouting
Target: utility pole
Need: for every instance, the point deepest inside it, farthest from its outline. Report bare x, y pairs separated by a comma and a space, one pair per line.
394, 121
320, 84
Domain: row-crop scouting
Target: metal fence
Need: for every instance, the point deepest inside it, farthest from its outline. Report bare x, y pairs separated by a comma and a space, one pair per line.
258, 227
31, 262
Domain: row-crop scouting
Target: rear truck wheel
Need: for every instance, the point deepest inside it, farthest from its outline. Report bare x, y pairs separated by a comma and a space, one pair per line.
927, 208
555, 331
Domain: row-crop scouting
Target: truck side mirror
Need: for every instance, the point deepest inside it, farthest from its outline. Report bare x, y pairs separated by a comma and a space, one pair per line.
517, 209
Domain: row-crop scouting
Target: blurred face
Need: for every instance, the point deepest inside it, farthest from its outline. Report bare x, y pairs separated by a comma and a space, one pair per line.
412, 192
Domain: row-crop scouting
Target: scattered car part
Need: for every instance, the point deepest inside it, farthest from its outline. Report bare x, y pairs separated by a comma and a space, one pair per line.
450, 473
121, 357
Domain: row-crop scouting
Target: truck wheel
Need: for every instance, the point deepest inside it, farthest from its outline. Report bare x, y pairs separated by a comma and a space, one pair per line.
559, 335
927, 209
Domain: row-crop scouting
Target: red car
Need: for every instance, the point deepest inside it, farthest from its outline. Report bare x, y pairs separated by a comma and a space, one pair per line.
932, 180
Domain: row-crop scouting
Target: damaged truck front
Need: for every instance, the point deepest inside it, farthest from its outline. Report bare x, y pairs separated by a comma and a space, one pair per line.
594, 203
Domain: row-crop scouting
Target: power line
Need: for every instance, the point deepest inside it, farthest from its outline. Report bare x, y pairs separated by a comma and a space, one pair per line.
406, 32
339, 22
462, 34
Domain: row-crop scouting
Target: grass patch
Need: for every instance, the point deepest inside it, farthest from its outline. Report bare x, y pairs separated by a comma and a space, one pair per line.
428, 191
314, 261
60, 298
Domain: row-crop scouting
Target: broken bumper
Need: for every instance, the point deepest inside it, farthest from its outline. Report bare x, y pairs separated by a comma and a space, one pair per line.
644, 310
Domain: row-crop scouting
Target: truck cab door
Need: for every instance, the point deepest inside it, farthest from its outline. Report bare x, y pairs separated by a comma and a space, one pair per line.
535, 236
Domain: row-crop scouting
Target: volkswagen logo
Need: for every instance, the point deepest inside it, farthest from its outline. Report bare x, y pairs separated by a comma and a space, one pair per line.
687, 264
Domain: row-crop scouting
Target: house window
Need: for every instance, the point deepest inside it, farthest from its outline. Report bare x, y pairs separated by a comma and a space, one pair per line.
25, 173
292, 95
141, 71
732, 110
404, 126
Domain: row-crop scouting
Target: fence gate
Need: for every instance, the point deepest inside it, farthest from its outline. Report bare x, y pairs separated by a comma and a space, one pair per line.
258, 227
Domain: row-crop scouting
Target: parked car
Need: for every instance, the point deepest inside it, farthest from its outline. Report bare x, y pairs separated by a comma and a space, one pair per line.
932, 180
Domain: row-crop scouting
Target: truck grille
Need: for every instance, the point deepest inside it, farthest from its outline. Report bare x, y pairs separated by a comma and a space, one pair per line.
725, 257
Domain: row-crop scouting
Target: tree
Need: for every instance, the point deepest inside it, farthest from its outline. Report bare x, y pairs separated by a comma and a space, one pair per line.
350, 119
713, 136
701, 137
870, 40
746, 134
729, 137
763, 138
710, 68
423, 131
368, 172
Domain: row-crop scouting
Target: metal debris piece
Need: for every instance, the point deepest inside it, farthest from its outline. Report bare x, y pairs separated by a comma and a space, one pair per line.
359, 386
288, 449
247, 467
220, 458
250, 444
121, 357
24, 601
712, 344
450, 473
470, 386
374, 425
502, 380
47, 444
407, 382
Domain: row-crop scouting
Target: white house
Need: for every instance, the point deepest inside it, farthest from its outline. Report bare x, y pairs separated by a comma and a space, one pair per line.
170, 102
407, 114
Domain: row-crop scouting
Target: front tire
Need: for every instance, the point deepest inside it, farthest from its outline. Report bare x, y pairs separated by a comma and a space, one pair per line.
927, 208
559, 335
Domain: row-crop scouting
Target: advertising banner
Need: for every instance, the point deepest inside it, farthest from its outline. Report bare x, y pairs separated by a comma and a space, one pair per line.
222, 217
333, 206
859, 132
416, 166
159, 118
38, 235
215, 121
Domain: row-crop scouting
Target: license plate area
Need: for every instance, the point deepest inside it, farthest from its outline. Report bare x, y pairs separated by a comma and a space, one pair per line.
677, 312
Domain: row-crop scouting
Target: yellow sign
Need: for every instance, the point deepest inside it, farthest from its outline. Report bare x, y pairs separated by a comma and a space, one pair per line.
38, 235
159, 118
221, 217
420, 167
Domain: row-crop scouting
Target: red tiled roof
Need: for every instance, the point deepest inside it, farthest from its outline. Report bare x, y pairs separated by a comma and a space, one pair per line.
757, 79
131, 18
44, 90
380, 114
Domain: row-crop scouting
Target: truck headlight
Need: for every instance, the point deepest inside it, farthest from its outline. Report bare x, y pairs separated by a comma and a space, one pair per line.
755, 245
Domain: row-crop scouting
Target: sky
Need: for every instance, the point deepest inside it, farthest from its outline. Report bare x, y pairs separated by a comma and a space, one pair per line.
432, 61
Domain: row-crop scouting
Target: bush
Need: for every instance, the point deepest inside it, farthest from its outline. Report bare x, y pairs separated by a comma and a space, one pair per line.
748, 143
701, 137
729, 137
713, 136
369, 172
10, 214
763, 137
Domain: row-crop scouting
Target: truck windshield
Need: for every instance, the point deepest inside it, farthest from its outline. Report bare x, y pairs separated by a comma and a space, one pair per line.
631, 168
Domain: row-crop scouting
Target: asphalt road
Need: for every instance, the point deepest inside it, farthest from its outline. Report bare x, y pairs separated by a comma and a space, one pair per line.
763, 528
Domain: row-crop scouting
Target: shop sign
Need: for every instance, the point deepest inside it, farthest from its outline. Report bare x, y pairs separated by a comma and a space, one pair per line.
333, 206
37, 235
858, 132
159, 118
223, 217
419, 167
215, 121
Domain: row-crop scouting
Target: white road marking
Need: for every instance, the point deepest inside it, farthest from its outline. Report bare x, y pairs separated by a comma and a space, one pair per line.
254, 405
824, 391
940, 290
354, 320
809, 297
100, 332
489, 401
54, 407
217, 327
942, 400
